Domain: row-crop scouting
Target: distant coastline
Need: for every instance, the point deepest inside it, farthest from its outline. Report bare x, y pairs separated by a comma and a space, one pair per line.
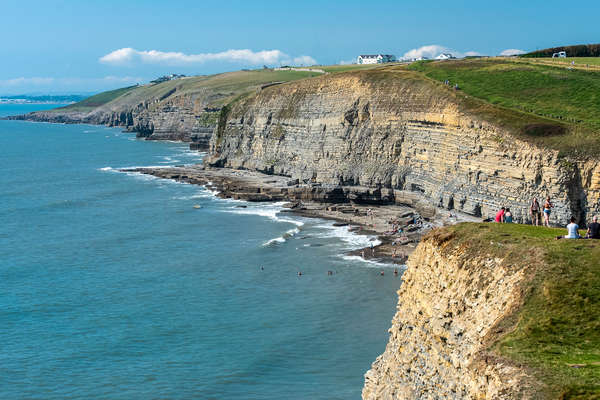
42, 99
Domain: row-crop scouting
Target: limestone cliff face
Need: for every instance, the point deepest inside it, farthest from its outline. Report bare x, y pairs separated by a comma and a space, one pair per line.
397, 132
448, 312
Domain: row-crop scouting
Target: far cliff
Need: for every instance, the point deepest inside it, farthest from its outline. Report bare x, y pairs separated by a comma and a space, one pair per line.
184, 109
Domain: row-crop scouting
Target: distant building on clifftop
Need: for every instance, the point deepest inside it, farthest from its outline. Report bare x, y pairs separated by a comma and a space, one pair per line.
445, 56
375, 59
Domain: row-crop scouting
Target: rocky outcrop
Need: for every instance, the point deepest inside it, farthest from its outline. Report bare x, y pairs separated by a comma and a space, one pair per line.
395, 131
450, 310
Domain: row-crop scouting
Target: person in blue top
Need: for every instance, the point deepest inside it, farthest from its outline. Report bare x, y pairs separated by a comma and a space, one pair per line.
508, 217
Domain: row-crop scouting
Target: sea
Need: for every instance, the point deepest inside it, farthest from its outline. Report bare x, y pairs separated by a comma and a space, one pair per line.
124, 286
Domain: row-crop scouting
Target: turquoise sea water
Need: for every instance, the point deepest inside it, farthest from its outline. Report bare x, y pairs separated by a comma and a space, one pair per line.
114, 286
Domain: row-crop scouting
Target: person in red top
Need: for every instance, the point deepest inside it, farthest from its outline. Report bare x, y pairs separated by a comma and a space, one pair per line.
500, 215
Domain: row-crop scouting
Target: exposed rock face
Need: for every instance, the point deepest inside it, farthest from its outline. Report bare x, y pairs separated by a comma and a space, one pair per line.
448, 311
403, 134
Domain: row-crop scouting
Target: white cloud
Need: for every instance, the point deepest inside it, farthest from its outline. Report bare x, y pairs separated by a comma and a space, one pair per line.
305, 60
129, 56
430, 51
511, 52
434, 50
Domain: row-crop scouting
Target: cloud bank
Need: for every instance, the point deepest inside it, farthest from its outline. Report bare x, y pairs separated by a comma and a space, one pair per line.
511, 52
128, 56
434, 50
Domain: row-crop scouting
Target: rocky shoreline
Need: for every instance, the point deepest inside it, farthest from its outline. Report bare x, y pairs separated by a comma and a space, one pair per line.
399, 223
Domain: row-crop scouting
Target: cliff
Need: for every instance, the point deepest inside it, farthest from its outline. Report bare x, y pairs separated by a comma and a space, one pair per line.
487, 311
394, 129
184, 109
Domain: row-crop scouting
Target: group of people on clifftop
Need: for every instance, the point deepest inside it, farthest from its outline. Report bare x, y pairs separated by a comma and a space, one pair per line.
504, 215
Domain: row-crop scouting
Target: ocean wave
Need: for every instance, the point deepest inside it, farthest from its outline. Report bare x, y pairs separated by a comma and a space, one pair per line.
352, 240
265, 210
373, 263
118, 169
274, 241
283, 238
141, 176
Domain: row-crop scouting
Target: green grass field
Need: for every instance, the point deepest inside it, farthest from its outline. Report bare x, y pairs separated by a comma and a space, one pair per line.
220, 89
98, 99
566, 102
568, 60
557, 330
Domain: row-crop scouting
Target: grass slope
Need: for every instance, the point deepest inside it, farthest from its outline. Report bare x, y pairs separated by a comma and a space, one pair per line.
556, 332
98, 99
578, 61
217, 89
565, 102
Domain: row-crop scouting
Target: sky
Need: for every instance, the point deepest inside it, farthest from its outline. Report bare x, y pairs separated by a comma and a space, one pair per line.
69, 46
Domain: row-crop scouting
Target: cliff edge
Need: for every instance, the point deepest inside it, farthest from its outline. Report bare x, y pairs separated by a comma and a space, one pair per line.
491, 311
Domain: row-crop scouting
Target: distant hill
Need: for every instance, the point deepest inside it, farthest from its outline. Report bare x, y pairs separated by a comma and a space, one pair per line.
580, 50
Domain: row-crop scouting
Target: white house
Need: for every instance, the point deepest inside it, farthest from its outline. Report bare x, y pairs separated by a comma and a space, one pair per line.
375, 58
445, 56
560, 54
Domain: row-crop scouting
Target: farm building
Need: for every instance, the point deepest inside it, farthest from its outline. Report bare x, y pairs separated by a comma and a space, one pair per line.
375, 59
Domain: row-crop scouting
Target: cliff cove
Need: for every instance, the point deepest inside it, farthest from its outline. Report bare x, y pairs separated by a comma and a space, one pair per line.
399, 140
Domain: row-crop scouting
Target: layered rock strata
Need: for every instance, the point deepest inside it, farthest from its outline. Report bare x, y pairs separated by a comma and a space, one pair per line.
449, 309
394, 132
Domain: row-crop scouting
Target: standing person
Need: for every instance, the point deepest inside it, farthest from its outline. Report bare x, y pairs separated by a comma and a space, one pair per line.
508, 217
547, 207
500, 216
593, 231
534, 210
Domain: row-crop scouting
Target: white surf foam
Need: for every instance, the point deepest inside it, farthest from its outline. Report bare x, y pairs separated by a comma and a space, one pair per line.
274, 241
373, 263
352, 240
270, 211
283, 238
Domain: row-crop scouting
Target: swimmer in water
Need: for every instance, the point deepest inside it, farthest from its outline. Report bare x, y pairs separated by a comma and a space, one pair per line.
329, 272
299, 273
395, 272
381, 273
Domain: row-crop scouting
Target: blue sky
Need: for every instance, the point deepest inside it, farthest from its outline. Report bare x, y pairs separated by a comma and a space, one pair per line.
75, 46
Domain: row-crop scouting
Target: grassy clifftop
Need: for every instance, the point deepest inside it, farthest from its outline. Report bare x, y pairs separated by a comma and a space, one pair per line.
555, 333
546, 105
